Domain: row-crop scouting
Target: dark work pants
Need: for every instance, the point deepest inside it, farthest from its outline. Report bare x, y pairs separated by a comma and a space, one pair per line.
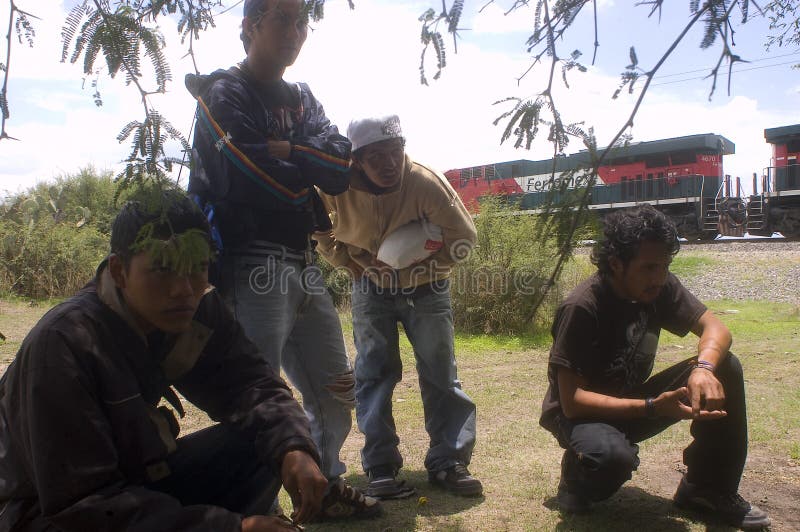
218, 466
600, 456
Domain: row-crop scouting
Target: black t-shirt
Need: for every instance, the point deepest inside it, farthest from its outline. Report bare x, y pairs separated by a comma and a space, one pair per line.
611, 342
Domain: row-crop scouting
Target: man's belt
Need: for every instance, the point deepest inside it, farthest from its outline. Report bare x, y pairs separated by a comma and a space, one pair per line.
264, 249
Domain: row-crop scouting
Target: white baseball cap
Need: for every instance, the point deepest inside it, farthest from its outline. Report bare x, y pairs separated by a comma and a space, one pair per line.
365, 131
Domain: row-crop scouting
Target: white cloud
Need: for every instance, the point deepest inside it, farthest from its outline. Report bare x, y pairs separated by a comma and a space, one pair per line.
499, 18
42, 60
360, 62
496, 18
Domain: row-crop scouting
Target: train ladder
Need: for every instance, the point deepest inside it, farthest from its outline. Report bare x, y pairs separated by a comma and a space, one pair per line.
755, 213
710, 215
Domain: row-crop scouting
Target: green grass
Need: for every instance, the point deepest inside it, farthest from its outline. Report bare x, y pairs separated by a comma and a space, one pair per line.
17, 316
517, 461
766, 339
481, 343
688, 265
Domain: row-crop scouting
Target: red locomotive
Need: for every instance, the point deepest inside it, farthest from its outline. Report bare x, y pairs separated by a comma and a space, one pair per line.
682, 176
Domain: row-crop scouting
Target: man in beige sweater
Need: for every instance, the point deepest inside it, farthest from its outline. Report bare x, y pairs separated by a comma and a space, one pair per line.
388, 190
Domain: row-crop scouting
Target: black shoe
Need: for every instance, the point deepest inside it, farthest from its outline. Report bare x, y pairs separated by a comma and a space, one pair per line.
568, 501
730, 508
384, 485
344, 501
457, 480
571, 503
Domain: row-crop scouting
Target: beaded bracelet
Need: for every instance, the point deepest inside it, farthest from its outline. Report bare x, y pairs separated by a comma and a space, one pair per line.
702, 364
650, 408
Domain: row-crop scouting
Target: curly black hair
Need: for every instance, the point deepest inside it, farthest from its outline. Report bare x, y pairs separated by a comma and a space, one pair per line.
625, 230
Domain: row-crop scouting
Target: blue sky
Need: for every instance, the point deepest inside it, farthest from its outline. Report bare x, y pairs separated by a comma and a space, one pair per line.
366, 61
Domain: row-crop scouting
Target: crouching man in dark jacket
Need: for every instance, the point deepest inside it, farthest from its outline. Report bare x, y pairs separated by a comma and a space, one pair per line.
83, 442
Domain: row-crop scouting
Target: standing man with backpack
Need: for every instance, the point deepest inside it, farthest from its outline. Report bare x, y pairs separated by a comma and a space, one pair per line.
261, 146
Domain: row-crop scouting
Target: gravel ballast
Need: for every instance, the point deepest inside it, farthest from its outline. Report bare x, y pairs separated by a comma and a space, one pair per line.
746, 271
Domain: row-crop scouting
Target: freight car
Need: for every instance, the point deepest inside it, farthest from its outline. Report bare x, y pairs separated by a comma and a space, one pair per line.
681, 176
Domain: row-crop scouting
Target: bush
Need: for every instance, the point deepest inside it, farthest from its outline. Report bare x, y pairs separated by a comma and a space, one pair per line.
338, 281
496, 288
46, 259
53, 235
84, 198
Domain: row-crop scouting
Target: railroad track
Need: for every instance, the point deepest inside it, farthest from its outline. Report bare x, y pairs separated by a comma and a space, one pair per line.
723, 241
728, 240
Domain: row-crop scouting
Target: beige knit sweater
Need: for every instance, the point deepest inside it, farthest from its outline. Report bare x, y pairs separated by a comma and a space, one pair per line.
362, 219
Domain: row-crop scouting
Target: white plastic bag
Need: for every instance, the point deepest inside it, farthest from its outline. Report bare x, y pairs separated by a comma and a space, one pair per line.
410, 243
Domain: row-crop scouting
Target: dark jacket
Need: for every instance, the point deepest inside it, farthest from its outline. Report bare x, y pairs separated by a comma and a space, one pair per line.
80, 433
251, 191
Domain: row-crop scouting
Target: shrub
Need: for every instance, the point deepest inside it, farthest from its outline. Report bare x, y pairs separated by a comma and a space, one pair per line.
496, 288
46, 259
53, 235
338, 281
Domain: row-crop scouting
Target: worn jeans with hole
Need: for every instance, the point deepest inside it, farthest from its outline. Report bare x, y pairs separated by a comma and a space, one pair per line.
285, 309
449, 412
601, 456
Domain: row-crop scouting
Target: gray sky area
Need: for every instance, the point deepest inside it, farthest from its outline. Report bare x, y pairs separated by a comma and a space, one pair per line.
367, 61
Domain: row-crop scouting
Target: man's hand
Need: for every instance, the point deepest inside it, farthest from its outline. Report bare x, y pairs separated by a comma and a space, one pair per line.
381, 270
355, 269
305, 483
705, 391
280, 149
672, 404
267, 523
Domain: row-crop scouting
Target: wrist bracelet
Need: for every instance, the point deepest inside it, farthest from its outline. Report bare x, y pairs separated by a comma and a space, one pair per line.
650, 408
702, 364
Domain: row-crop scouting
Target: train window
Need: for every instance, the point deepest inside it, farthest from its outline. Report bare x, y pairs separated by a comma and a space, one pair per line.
477, 172
515, 171
793, 146
466, 174
684, 157
489, 172
627, 189
656, 161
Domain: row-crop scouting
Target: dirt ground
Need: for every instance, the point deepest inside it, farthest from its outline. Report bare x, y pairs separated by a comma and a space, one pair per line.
518, 462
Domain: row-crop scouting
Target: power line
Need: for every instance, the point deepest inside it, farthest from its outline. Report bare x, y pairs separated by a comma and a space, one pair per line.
706, 69
723, 74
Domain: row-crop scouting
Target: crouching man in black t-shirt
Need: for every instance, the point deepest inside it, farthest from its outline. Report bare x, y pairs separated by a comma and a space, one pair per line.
600, 402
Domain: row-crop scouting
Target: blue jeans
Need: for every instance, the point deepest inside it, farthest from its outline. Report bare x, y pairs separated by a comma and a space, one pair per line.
449, 413
285, 309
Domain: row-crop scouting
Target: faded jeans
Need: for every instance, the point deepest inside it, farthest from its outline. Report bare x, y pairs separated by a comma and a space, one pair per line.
449, 413
285, 309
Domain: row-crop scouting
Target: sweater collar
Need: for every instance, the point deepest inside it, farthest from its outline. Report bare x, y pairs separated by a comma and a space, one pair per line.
109, 294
